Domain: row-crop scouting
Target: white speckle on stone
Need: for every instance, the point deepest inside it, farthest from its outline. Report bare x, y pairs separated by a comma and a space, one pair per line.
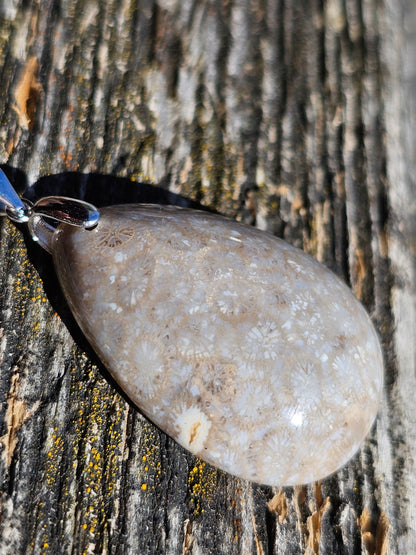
297, 419
193, 427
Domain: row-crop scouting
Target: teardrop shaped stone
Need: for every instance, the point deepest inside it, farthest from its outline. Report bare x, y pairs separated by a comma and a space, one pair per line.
244, 349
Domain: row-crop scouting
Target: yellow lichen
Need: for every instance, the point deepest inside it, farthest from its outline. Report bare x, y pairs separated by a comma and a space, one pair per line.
201, 485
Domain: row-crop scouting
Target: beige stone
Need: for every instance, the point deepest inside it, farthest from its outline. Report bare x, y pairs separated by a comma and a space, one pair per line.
245, 350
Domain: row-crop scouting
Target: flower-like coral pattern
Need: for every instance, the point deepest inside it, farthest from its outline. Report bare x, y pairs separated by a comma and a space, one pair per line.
111, 237
244, 349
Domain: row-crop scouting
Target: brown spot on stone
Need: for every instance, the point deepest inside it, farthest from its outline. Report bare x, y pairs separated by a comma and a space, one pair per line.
194, 431
340, 341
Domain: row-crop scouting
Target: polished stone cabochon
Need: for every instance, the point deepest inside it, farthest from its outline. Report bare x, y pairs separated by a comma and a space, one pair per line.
244, 349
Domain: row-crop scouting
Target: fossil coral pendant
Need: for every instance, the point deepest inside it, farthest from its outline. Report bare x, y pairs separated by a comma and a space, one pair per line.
242, 348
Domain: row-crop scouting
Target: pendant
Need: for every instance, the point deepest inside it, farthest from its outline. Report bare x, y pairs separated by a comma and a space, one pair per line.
244, 349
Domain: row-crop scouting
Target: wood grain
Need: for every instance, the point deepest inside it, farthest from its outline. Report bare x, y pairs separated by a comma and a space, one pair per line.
297, 117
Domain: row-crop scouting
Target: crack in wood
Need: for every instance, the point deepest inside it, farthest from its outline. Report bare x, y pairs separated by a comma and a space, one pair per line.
27, 94
16, 415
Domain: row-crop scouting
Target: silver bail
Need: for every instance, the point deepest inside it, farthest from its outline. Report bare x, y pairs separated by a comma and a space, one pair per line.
68, 210
61, 209
10, 203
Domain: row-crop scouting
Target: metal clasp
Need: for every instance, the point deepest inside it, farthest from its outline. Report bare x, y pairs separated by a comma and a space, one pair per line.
61, 209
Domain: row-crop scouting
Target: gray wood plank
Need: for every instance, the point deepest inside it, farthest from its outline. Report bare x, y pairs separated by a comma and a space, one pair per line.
296, 117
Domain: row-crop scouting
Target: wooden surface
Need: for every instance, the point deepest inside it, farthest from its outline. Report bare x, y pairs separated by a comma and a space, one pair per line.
298, 117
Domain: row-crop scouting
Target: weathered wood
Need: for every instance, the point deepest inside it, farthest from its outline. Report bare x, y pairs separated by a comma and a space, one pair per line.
298, 117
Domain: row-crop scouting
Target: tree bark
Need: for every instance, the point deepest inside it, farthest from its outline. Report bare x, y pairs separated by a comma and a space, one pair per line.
297, 117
